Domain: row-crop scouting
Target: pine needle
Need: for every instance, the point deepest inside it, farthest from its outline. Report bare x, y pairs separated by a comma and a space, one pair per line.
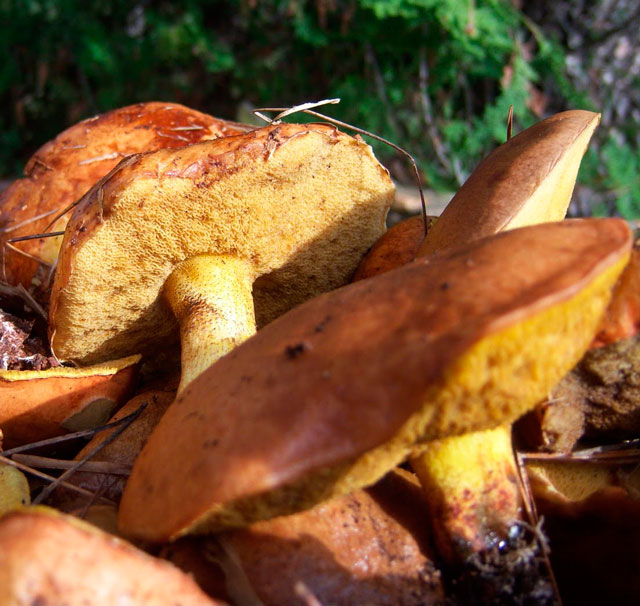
48, 478
80, 463
85, 433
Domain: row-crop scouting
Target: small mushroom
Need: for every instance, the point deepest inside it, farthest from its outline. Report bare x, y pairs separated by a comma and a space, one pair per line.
341, 389
40, 404
49, 558
396, 247
282, 213
14, 489
64, 169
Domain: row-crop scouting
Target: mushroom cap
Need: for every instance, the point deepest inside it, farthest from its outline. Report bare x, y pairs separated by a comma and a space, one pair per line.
50, 558
397, 246
592, 522
529, 179
300, 203
342, 388
40, 404
64, 169
622, 319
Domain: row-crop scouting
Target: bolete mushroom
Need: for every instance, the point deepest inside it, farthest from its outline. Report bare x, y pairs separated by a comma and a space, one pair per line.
285, 211
124, 449
341, 389
396, 247
592, 519
14, 489
50, 558
64, 169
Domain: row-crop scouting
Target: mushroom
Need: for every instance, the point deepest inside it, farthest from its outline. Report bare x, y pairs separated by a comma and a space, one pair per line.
622, 319
64, 169
527, 180
40, 404
49, 558
14, 489
286, 211
341, 389
124, 449
396, 247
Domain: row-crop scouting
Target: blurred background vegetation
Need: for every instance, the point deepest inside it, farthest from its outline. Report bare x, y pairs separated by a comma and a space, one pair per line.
435, 76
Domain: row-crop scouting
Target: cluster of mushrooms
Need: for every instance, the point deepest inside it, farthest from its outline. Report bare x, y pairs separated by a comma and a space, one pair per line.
301, 408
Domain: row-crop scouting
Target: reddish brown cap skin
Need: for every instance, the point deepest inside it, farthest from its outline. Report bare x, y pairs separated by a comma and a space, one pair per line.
594, 542
622, 318
49, 559
340, 374
126, 447
38, 406
397, 247
63, 169
505, 180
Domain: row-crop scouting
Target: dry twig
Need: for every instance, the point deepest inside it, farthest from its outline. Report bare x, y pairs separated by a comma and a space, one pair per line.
81, 462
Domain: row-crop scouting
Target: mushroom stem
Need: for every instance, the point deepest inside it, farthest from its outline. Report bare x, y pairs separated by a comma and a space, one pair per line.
211, 296
471, 482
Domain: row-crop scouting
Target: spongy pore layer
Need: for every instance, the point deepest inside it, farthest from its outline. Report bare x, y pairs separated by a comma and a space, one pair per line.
301, 204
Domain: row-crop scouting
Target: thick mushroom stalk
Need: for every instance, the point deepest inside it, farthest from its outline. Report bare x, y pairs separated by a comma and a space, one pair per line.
471, 481
210, 296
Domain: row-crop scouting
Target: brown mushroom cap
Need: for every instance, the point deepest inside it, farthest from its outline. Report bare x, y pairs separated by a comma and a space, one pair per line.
298, 205
396, 247
529, 179
40, 404
64, 169
50, 558
341, 389
591, 518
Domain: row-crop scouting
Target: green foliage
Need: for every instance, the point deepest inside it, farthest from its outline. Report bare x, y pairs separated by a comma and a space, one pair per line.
435, 76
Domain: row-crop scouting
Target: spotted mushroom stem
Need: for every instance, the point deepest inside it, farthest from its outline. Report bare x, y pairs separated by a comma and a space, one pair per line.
471, 483
211, 296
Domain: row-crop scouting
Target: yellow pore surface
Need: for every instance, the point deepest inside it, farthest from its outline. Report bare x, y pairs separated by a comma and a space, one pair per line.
304, 214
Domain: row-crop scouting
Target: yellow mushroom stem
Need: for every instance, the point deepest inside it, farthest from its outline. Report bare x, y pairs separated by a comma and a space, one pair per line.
471, 482
211, 296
